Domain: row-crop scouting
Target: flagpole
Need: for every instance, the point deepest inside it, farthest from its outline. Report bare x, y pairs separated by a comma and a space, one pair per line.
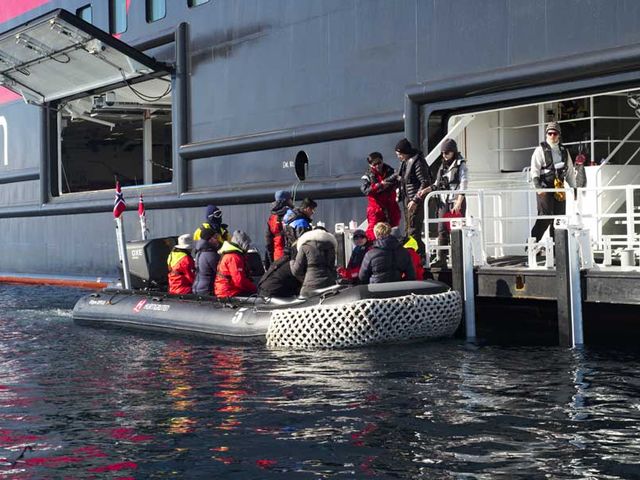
119, 207
122, 252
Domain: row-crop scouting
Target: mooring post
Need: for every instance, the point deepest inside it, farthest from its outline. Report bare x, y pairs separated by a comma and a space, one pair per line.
570, 328
462, 276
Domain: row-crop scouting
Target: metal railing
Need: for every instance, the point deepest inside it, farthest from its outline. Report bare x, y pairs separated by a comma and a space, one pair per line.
498, 213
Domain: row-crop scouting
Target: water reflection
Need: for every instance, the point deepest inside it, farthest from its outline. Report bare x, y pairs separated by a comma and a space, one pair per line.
109, 404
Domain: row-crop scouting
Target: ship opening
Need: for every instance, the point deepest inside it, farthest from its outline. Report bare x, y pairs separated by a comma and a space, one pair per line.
109, 104
123, 133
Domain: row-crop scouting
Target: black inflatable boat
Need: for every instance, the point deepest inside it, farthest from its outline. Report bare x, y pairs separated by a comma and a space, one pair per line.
337, 317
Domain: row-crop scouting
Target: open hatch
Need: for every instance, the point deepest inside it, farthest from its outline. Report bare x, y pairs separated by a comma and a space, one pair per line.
110, 103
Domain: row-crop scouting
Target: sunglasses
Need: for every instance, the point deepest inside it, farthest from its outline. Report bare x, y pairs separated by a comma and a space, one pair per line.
553, 133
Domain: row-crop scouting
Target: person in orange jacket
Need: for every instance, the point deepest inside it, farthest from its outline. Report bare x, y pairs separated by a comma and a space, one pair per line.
181, 266
233, 275
275, 235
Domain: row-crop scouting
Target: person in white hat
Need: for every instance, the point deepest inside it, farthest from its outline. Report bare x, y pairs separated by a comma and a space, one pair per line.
182, 268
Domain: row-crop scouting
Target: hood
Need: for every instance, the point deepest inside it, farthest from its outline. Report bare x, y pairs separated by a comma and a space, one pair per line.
317, 236
411, 243
228, 247
280, 207
387, 243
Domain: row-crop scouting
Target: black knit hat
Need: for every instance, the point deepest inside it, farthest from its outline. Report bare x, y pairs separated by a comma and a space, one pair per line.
404, 146
449, 145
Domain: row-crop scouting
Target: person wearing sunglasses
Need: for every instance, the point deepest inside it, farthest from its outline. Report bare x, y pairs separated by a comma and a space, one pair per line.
551, 166
213, 222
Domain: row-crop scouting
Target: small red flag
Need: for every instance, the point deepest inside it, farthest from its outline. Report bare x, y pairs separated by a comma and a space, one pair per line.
141, 207
118, 204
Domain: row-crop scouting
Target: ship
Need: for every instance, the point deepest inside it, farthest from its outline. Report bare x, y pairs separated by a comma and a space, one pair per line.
196, 102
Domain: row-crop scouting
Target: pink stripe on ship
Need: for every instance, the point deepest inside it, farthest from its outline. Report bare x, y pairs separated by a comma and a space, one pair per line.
10, 9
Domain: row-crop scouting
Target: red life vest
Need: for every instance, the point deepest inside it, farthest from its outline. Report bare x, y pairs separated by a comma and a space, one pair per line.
182, 272
232, 277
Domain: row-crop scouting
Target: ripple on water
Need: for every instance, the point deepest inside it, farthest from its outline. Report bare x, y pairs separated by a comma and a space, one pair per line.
112, 404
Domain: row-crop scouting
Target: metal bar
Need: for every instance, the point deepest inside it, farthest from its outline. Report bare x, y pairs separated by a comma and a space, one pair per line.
44, 156
180, 107
348, 187
620, 144
570, 328
22, 175
629, 213
147, 147
290, 137
453, 132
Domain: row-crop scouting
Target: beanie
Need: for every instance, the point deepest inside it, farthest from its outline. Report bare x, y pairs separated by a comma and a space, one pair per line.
449, 145
282, 195
359, 233
404, 146
214, 214
553, 126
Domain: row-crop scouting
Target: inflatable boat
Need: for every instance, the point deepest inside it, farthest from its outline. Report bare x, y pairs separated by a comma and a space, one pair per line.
336, 317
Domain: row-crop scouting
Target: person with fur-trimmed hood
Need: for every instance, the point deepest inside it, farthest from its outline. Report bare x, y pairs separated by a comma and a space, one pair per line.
379, 184
315, 262
232, 277
275, 234
387, 260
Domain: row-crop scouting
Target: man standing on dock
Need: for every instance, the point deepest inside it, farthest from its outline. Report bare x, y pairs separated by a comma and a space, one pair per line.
414, 175
551, 165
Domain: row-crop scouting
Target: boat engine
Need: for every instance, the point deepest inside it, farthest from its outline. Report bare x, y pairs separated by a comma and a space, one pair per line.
148, 262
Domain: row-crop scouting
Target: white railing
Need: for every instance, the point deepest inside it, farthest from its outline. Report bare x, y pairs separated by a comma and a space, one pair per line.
505, 218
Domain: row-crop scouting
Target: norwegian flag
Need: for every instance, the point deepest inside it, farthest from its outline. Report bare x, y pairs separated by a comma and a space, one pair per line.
143, 219
118, 204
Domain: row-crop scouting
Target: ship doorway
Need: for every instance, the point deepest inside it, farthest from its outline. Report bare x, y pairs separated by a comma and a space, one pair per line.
109, 104
123, 133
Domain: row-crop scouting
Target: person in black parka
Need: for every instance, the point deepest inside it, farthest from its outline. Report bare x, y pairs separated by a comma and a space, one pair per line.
278, 281
387, 260
206, 260
315, 262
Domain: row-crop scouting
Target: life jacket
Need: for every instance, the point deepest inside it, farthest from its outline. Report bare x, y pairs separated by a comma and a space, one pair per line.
181, 272
549, 171
222, 229
232, 277
449, 177
296, 224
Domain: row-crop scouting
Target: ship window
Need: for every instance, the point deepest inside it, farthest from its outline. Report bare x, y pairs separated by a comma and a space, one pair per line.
195, 3
117, 16
156, 10
125, 132
85, 13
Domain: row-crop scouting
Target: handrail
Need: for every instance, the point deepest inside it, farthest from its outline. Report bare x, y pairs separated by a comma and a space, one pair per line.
500, 197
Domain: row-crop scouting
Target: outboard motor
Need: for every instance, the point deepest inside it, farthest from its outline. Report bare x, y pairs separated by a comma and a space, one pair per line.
148, 262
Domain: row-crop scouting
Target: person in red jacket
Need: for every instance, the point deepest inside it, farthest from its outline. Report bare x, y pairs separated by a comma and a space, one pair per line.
412, 247
379, 185
232, 277
350, 273
275, 235
181, 266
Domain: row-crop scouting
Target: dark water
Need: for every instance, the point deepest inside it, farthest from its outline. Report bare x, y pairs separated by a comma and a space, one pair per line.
107, 404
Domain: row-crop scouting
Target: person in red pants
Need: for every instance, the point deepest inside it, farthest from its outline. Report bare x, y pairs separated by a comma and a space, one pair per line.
379, 185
